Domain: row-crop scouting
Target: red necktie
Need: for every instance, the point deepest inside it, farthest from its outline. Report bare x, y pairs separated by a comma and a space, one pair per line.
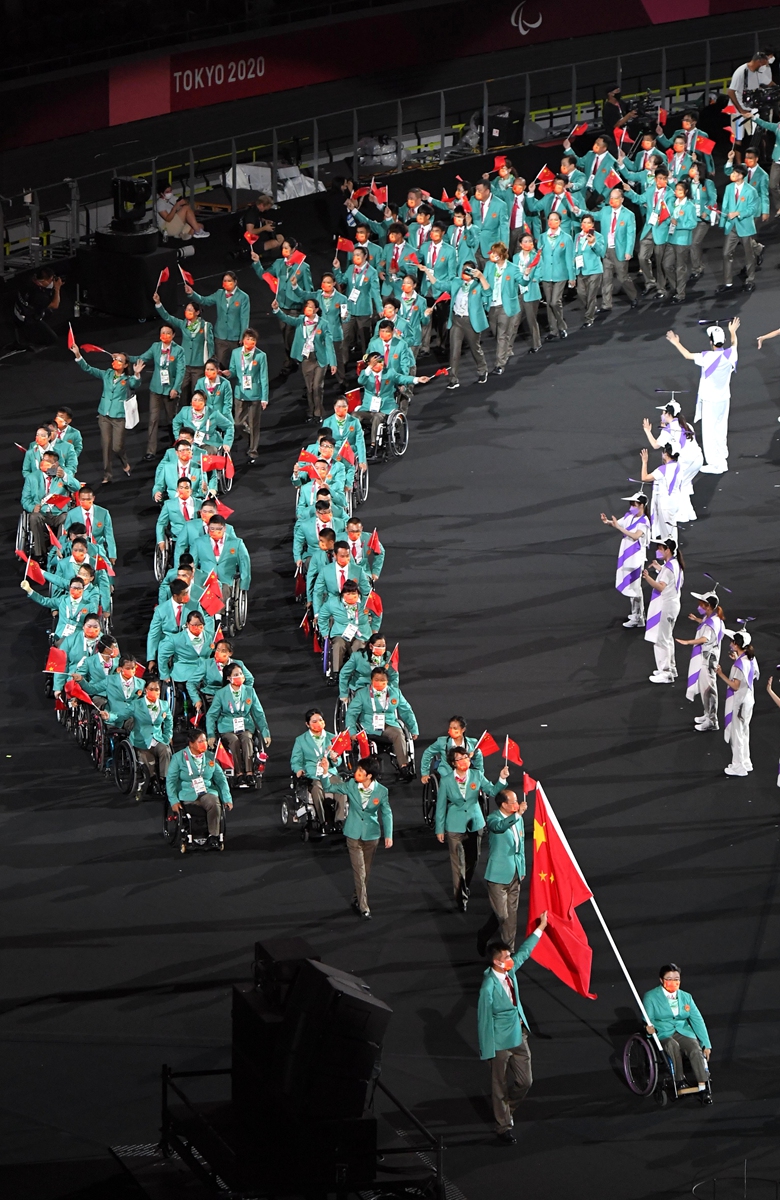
511, 989
178, 614
342, 578
377, 383
88, 525
216, 550
394, 259
354, 551
614, 222
185, 514
736, 195
387, 352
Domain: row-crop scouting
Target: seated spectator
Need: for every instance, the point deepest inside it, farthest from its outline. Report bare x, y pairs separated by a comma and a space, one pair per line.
175, 217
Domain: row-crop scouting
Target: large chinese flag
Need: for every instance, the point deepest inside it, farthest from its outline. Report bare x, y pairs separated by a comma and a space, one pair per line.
557, 886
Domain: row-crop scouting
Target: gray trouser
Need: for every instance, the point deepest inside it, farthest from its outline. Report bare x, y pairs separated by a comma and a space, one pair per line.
223, 350
40, 534
529, 310
463, 331
729, 247
156, 759
553, 294
357, 330
511, 1079
251, 411
361, 856
651, 264
339, 650
314, 379
464, 856
504, 899
242, 747
213, 810
504, 330
191, 377
677, 264
678, 1044
708, 687
774, 189
112, 439
158, 403
615, 266
697, 245
395, 735
588, 292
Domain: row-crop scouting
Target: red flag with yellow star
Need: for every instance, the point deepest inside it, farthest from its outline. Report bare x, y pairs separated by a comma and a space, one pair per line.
558, 886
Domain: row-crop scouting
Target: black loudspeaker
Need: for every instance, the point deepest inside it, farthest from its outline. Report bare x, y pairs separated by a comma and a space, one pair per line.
123, 284
505, 127
276, 965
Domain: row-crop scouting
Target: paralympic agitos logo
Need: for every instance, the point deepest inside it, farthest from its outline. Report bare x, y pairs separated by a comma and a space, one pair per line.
521, 22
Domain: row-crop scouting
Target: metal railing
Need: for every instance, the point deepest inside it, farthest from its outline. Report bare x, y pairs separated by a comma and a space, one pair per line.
430, 128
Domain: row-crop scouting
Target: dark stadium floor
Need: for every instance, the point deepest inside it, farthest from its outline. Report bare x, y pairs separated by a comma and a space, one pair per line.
118, 955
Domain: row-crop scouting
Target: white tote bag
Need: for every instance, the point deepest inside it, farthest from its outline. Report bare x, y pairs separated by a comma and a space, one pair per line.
131, 413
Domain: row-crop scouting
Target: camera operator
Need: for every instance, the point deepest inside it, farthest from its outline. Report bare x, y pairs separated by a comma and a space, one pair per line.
255, 219
615, 112
747, 78
36, 301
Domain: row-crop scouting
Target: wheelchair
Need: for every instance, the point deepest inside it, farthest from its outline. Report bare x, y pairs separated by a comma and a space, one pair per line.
300, 812
381, 749
24, 538
260, 757
188, 830
392, 437
359, 488
236, 610
163, 558
648, 1071
430, 793
180, 703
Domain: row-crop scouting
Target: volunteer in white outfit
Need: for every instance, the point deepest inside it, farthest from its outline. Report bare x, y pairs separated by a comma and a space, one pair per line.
739, 700
634, 528
714, 395
664, 608
666, 493
776, 700
676, 431
705, 654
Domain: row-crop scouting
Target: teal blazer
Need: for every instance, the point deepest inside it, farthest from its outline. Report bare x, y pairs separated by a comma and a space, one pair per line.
324, 351
334, 619
461, 814
435, 756
479, 301
400, 359
116, 389
306, 537
330, 311
214, 679
178, 780
367, 284
510, 286
748, 208
102, 527
625, 230
39, 485
221, 398
446, 264
119, 709
69, 612
499, 1022
495, 227
363, 824
557, 262
178, 657
689, 1023
361, 711
504, 861
760, 181
660, 231
391, 281
591, 255
145, 730
175, 369
164, 624
529, 276
685, 220
389, 381
197, 340
246, 705
305, 755
600, 178
217, 427
234, 559
293, 281
66, 452
771, 127
258, 375
327, 583
232, 312
356, 672
411, 317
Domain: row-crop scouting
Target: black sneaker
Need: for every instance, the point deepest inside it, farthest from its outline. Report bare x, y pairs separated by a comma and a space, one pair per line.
562, 334
724, 287
212, 842
452, 385
497, 371
482, 378
507, 1138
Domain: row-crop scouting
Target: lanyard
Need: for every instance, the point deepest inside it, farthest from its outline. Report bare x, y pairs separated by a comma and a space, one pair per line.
187, 760
239, 700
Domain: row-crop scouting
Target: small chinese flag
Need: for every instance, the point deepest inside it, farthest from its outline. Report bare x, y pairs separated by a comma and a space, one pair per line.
545, 175
345, 244
230, 469
31, 570
58, 501
57, 660
196, 719
729, 110
465, 205
305, 624
139, 671
76, 692
224, 757
619, 133
223, 510
251, 237
662, 115
296, 257
578, 130
425, 195
445, 199
71, 337
535, 260
487, 744
353, 399
89, 348
512, 752
374, 544
663, 214
705, 144
441, 371
271, 280
412, 258
499, 161
165, 275
187, 277
300, 584
306, 456
374, 604
363, 747
395, 658
212, 462
360, 192
311, 471
730, 132
444, 296
529, 785
347, 452
613, 180
341, 744
211, 599
54, 540
218, 636
316, 643
379, 194
103, 564
59, 704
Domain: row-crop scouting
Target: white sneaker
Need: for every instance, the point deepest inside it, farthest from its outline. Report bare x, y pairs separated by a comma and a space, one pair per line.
740, 771
630, 623
661, 679
199, 233
707, 469
704, 727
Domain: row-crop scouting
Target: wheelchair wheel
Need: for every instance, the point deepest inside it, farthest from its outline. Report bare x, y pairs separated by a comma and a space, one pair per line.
242, 609
397, 433
640, 1066
97, 741
171, 824
162, 556
125, 767
327, 667
429, 793
484, 803
286, 813
224, 484
82, 725
360, 488
23, 532
340, 716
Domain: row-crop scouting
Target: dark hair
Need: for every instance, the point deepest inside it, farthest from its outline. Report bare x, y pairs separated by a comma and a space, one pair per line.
249, 332
86, 567
667, 449
378, 671
195, 615
77, 529
439, 225
495, 947
184, 478
182, 442
78, 541
231, 275
125, 659
662, 170
461, 721
572, 158
354, 521
740, 170
685, 185
369, 646
385, 324
350, 585
425, 209
326, 436
228, 670
666, 968
327, 533
224, 642
374, 356
194, 734
43, 273
61, 408
85, 488
322, 506
186, 560
468, 263
313, 712
194, 304
453, 750
94, 617
370, 766
106, 642
396, 304
211, 362
341, 545
177, 586
216, 520
671, 544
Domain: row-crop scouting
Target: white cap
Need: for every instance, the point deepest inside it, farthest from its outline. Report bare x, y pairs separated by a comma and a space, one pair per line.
633, 499
706, 596
675, 406
716, 335
741, 636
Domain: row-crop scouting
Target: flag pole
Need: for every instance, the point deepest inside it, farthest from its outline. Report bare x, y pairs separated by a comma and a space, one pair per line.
602, 922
